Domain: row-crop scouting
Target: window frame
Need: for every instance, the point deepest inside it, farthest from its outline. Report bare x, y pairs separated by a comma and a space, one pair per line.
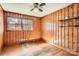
21, 24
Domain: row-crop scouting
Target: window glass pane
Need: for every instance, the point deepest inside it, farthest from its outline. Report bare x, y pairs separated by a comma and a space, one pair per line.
27, 25
12, 20
17, 23
11, 27
29, 22
24, 21
30, 27
14, 23
18, 27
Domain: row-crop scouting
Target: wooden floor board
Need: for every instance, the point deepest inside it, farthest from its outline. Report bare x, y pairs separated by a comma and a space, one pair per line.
43, 49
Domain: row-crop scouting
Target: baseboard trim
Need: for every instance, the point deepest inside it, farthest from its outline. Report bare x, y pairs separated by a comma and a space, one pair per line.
38, 40
0, 50
72, 52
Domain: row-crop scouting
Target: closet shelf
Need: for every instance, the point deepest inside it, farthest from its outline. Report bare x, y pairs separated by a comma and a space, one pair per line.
70, 26
75, 18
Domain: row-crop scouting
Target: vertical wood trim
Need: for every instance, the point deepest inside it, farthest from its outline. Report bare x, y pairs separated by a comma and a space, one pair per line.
51, 25
40, 29
58, 27
64, 30
4, 28
53, 28
77, 27
77, 37
72, 26
61, 27
68, 27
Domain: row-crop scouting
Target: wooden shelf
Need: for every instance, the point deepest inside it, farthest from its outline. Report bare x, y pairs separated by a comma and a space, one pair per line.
76, 18
70, 26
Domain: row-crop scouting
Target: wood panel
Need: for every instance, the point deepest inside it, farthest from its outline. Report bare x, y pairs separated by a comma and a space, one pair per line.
70, 11
54, 23
57, 23
63, 14
77, 35
63, 40
70, 38
14, 37
52, 28
55, 29
77, 39
46, 28
74, 39
60, 14
60, 29
65, 34
66, 13
75, 10
1, 27
78, 10
36, 29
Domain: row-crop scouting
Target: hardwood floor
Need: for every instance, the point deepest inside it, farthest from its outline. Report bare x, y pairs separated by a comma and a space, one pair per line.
42, 49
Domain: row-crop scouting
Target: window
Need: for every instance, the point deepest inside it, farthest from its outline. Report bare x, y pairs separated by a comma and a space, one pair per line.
19, 24
14, 23
27, 24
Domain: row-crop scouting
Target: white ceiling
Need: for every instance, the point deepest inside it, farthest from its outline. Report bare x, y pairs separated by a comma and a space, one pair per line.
25, 8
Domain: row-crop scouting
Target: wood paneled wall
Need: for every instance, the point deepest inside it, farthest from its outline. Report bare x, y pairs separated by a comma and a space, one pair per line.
60, 28
1, 27
45, 33
13, 37
64, 27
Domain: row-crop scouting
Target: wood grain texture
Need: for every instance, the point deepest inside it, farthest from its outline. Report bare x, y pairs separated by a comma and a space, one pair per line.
46, 34
32, 50
1, 27
13, 37
64, 33
50, 27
